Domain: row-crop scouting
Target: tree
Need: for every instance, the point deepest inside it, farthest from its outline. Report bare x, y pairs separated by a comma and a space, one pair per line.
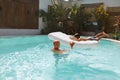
101, 16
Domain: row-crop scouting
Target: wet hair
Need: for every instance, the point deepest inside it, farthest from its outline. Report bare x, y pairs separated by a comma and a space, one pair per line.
56, 41
77, 35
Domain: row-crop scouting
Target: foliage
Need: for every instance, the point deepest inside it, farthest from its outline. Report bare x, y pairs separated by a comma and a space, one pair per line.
54, 18
115, 35
116, 24
101, 16
68, 20
80, 17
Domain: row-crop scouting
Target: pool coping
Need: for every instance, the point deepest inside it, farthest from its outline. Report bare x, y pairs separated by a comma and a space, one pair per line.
43, 35
112, 40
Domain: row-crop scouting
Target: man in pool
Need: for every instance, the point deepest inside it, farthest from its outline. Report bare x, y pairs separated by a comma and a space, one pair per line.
57, 49
101, 33
76, 37
97, 37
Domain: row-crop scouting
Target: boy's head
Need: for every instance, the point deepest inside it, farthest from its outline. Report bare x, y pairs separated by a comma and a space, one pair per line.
56, 44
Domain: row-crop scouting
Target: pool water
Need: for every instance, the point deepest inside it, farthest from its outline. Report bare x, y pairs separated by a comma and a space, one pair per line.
31, 58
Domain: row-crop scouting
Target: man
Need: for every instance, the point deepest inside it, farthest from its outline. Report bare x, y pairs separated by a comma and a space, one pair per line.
57, 49
97, 37
101, 33
75, 37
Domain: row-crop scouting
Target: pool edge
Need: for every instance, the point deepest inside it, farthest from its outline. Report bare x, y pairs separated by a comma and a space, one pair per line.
112, 40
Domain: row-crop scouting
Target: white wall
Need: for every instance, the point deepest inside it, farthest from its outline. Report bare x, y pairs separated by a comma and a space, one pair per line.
91, 1
109, 3
112, 3
11, 32
43, 5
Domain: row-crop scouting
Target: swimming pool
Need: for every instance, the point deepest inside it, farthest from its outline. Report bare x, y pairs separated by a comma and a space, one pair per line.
31, 58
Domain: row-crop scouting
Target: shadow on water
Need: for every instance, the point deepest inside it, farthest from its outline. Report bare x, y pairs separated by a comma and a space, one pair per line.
59, 57
82, 52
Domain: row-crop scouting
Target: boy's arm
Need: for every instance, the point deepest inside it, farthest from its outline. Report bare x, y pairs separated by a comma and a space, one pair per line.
72, 44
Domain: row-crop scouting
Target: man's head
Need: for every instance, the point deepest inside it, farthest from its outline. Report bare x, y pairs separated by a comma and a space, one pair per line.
56, 44
77, 35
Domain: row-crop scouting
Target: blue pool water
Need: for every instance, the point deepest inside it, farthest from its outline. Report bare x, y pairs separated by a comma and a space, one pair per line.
31, 58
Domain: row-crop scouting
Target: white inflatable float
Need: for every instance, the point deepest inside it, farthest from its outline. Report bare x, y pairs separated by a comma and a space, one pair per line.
65, 39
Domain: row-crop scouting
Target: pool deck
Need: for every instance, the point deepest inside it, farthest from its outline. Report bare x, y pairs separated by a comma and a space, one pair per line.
112, 40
